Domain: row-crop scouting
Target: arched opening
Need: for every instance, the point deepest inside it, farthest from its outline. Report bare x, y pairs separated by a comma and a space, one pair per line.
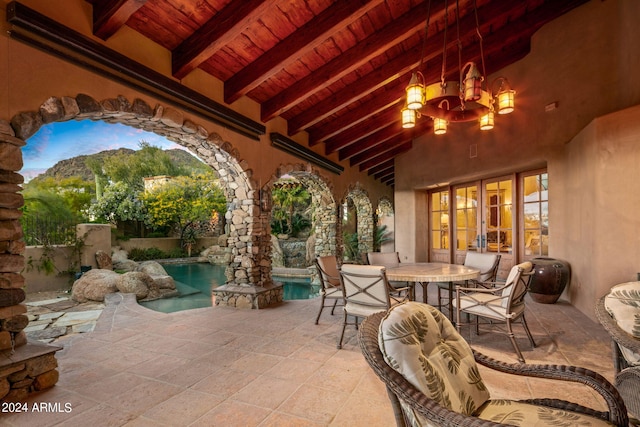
384, 237
359, 213
250, 266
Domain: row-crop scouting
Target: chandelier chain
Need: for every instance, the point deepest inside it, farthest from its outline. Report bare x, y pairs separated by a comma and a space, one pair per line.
444, 46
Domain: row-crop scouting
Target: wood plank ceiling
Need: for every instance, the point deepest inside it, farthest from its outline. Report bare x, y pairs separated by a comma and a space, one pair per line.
334, 69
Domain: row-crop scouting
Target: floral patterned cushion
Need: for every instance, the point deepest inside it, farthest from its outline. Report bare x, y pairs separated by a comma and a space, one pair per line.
623, 304
524, 414
421, 344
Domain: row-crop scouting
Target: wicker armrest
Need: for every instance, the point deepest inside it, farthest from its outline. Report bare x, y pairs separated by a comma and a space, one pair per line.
617, 334
617, 413
399, 387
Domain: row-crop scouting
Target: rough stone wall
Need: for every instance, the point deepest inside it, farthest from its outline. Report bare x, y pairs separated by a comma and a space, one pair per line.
13, 318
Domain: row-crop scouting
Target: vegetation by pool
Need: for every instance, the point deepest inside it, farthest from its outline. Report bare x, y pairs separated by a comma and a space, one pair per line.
194, 282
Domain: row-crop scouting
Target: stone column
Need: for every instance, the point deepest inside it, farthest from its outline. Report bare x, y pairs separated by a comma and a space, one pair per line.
25, 368
13, 318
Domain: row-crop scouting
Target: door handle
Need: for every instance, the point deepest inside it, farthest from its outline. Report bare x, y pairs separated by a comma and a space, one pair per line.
484, 238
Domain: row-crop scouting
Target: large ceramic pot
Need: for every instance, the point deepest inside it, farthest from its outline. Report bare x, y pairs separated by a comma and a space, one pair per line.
550, 277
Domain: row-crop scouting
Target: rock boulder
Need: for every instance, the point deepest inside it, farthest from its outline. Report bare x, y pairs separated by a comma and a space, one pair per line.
94, 285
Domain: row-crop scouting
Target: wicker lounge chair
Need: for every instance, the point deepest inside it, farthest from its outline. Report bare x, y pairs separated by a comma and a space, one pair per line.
627, 376
413, 407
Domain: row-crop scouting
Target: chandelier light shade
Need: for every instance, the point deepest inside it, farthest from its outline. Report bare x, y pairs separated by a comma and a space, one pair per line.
415, 92
439, 126
506, 101
469, 98
472, 83
487, 121
408, 118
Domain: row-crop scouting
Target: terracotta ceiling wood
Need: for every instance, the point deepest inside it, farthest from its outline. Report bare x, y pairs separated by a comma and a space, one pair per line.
111, 15
332, 20
374, 45
218, 31
336, 70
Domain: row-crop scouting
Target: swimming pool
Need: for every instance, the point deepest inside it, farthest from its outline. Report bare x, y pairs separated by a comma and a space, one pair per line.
194, 282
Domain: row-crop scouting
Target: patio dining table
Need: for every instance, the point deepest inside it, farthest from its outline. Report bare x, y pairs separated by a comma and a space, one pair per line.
425, 272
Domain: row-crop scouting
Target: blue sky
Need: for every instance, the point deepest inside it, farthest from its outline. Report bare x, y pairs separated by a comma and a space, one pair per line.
63, 140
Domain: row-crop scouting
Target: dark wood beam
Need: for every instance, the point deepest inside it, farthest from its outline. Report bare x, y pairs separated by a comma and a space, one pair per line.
393, 129
362, 129
224, 27
367, 143
111, 15
388, 181
374, 45
389, 173
386, 165
380, 148
333, 19
400, 65
385, 156
517, 47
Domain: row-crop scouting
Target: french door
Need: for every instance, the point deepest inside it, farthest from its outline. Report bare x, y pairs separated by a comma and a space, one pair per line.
477, 217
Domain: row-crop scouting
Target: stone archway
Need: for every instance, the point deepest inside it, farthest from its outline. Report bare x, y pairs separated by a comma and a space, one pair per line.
325, 210
249, 275
364, 212
385, 218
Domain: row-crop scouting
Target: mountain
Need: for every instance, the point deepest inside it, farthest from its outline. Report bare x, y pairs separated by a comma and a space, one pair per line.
76, 166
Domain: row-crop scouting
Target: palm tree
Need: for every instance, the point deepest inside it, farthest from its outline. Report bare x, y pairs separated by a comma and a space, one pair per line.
288, 198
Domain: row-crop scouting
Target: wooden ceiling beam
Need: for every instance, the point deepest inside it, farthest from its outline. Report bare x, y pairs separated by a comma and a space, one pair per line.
384, 166
378, 149
376, 44
400, 65
332, 20
361, 130
392, 129
111, 15
389, 173
221, 29
375, 161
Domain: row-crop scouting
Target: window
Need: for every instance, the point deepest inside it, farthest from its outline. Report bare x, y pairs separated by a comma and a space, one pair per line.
440, 220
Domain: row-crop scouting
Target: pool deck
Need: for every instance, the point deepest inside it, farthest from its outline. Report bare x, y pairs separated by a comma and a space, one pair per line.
221, 366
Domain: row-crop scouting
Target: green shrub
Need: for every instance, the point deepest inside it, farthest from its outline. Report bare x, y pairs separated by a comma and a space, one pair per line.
177, 253
138, 254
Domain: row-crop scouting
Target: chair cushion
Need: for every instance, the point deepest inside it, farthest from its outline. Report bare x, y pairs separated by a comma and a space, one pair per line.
623, 304
422, 345
482, 261
516, 413
487, 305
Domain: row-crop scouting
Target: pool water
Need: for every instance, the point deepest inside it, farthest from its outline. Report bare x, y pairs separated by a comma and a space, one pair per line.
194, 283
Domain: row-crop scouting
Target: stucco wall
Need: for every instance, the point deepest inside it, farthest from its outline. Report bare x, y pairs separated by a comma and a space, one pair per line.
586, 62
596, 205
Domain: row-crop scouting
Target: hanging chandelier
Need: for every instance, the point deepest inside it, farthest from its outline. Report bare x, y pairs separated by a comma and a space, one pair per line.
466, 99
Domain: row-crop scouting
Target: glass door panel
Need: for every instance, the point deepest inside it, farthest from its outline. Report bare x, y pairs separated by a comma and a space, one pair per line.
466, 225
497, 224
439, 247
535, 211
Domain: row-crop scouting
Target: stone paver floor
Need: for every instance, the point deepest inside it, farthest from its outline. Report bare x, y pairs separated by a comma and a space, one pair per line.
273, 367
55, 314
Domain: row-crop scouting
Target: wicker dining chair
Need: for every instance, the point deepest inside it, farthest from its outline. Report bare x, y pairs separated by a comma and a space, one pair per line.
331, 288
446, 388
627, 376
